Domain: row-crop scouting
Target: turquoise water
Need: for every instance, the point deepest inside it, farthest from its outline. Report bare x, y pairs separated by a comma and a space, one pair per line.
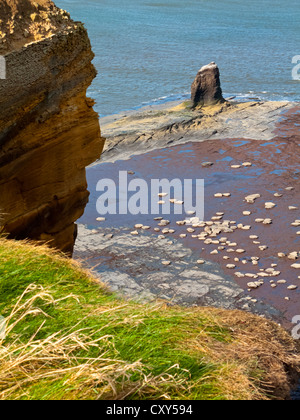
151, 50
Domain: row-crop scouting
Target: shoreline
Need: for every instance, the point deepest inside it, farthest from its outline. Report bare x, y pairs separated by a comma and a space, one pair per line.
102, 244
155, 127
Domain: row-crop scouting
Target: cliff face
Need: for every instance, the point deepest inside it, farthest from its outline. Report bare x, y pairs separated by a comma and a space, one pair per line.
49, 131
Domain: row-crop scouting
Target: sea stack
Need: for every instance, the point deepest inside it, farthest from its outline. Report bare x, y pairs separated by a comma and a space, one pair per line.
49, 131
206, 88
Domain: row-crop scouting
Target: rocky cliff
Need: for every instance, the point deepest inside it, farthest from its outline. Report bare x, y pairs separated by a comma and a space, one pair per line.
49, 131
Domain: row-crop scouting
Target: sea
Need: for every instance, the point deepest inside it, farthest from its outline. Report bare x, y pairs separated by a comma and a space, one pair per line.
149, 51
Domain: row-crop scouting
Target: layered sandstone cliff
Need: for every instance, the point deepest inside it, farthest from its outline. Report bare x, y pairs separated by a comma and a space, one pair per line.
49, 131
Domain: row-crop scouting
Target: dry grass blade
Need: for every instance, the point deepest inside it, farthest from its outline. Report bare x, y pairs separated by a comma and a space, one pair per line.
65, 356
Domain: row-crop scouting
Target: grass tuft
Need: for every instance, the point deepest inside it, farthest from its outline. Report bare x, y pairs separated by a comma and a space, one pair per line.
69, 337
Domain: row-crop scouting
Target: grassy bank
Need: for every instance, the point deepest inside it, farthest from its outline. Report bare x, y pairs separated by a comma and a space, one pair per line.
68, 337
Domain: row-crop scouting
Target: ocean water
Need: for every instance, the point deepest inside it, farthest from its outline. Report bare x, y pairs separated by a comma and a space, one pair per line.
149, 51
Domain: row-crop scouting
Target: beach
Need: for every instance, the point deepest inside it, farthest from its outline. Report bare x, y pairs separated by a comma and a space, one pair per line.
175, 143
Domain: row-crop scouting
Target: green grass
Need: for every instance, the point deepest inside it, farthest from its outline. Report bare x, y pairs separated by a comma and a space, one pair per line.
135, 351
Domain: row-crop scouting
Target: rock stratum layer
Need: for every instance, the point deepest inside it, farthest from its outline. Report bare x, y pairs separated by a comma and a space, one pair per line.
49, 131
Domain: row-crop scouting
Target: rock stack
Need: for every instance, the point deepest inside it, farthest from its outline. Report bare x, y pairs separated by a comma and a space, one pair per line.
206, 88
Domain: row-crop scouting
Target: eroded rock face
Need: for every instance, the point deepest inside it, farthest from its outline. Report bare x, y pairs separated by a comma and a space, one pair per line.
49, 131
206, 88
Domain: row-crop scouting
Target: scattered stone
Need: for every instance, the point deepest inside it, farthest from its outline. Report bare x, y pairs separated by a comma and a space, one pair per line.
200, 262
289, 188
190, 212
134, 232
293, 255
161, 202
251, 275
281, 281
253, 237
253, 284
270, 205
277, 195
293, 208
263, 247
240, 251
162, 194
267, 222
166, 262
246, 213
235, 166
251, 198
247, 164
183, 235
295, 265
292, 287
190, 230
145, 227
218, 195
281, 254
215, 251
158, 218
100, 219
238, 274
164, 222
206, 164
276, 273
230, 266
